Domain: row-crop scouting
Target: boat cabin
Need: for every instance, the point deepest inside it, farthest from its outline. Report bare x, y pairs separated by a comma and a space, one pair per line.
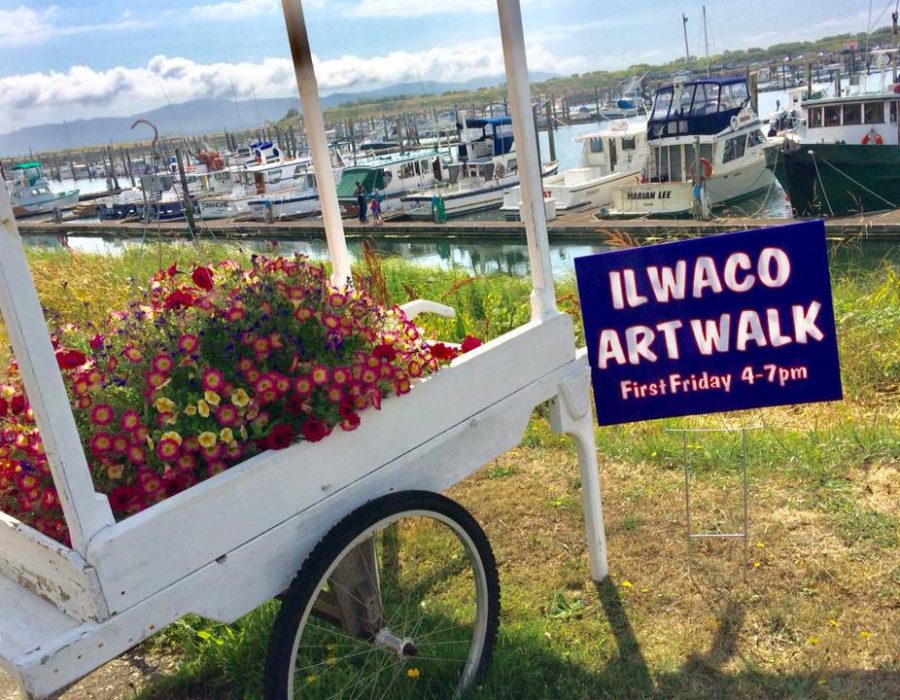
698, 107
27, 174
483, 139
869, 118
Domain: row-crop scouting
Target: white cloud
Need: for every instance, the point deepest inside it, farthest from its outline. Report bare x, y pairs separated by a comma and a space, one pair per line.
416, 8
83, 92
233, 9
23, 25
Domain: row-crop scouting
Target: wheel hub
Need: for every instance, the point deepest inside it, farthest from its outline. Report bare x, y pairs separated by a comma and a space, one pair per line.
404, 648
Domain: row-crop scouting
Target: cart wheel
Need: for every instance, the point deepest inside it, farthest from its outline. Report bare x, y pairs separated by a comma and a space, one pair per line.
399, 600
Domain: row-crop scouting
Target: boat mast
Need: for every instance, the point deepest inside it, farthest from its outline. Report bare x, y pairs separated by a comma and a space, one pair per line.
706, 40
687, 51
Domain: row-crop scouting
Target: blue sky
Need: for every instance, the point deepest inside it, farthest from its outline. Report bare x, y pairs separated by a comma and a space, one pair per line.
70, 59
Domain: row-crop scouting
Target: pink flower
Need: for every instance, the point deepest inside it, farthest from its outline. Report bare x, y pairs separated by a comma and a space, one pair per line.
102, 414
162, 363
130, 420
212, 380
203, 278
132, 354
470, 342
314, 430
101, 443
226, 415
319, 375
168, 450
188, 342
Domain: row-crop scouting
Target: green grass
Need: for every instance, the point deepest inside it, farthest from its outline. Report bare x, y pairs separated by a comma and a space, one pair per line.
811, 615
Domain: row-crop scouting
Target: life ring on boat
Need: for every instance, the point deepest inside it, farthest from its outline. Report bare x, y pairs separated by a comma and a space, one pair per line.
734, 122
500, 170
872, 137
705, 165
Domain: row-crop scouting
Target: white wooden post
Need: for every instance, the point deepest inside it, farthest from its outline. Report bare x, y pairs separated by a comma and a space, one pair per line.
543, 297
314, 124
86, 511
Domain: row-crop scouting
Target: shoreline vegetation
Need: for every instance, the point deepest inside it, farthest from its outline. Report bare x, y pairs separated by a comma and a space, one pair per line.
811, 613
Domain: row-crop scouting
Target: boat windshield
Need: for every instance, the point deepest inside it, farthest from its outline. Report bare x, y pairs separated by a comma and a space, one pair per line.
706, 99
661, 104
734, 95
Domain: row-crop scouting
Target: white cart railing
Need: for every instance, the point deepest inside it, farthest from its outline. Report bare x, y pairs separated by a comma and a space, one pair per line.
226, 545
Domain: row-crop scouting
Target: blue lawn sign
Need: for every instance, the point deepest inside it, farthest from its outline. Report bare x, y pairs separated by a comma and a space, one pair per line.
721, 323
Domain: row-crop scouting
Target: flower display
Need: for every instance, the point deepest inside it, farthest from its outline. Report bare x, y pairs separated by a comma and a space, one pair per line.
205, 369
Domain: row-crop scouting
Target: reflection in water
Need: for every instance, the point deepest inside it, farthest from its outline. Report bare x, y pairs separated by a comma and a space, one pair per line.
503, 255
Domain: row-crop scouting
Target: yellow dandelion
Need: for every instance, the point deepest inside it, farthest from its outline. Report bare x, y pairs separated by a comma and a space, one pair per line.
212, 398
164, 405
203, 408
756, 565
310, 679
331, 661
626, 584
413, 673
240, 398
833, 623
813, 640
190, 410
865, 634
207, 439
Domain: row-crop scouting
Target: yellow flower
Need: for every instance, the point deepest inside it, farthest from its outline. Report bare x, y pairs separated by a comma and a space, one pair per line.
190, 410
834, 623
310, 678
203, 408
813, 640
8, 392
150, 442
330, 661
171, 435
212, 398
413, 672
626, 584
240, 398
207, 439
164, 405
865, 634
115, 471
243, 432
756, 565
226, 435
171, 420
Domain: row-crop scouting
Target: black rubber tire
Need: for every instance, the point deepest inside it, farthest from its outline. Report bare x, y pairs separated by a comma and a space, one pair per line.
306, 583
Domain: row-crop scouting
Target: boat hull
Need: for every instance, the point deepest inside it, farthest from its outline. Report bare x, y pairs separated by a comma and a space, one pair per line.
284, 207
838, 179
45, 206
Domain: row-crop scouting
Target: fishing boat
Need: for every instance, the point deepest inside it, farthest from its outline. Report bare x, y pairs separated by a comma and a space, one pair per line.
30, 191
392, 175
260, 172
609, 159
156, 199
847, 161
706, 148
486, 167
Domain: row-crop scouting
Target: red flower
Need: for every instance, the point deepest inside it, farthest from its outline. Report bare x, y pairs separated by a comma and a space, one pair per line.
202, 277
96, 342
17, 405
385, 352
470, 343
70, 359
120, 498
443, 352
282, 436
177, 299
173, 270
4, 407
314, 430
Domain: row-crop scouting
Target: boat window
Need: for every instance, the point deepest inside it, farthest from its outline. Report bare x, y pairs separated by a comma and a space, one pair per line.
661, 104
874, 112
815, 117
299, 171
852, 114
833, 115
689, 155
685, 99
629, 143
310, 181
755, 138
512, 164
675, 163
893, 112
416, 168
734, 95
273, 176
706, 151
388, 176
706, 100
596, 145
734, 148
406, 170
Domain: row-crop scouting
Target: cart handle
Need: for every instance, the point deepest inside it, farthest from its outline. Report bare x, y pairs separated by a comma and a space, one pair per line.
424, 306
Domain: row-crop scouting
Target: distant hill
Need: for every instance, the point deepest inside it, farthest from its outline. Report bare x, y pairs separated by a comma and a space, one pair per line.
205, 116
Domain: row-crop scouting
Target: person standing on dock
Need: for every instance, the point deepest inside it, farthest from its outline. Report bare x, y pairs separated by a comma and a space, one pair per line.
376, 207
361, 202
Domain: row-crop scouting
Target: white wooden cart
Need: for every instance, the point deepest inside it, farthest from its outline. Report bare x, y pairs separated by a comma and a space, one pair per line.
315, 514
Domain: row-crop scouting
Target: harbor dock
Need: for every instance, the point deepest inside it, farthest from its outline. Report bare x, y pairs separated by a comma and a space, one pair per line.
883, 226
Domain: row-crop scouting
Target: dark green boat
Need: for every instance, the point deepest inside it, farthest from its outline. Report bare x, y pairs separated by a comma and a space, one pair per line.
848, 160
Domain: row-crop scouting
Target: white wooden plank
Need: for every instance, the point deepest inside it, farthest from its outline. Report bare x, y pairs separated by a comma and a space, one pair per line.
49, 570
244, 578
267, 490
86, 511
